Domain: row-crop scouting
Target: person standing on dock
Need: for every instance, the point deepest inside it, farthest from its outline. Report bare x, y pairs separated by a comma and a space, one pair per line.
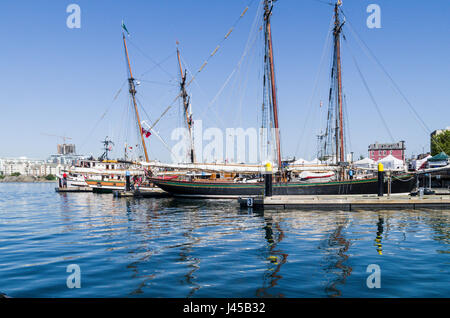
64, 180
350, 174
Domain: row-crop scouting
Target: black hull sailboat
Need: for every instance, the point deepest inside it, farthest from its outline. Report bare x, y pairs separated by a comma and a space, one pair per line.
344, 185
203, 189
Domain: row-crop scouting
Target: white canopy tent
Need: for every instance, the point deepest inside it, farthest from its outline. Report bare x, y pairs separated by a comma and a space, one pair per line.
391, 163
420, 164
301, 161
315, 161
365, 163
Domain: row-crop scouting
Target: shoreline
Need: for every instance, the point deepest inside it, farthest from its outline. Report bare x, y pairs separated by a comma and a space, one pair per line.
38, 181
25, 179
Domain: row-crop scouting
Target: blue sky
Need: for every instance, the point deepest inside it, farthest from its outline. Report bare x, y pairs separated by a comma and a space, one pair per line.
57, 80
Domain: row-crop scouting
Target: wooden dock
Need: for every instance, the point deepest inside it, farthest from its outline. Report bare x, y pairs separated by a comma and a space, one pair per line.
155, 193
345, 202
73, 189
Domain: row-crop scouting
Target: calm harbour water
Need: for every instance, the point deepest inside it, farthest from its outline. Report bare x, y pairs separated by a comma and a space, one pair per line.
205, 248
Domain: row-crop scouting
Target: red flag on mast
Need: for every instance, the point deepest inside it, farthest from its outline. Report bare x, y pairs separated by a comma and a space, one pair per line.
146, 133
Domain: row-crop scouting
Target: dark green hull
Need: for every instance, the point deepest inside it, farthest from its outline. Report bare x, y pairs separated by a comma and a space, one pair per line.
101, 190
400, 184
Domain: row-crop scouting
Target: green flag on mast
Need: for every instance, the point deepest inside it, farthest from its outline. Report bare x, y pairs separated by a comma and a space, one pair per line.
125, 28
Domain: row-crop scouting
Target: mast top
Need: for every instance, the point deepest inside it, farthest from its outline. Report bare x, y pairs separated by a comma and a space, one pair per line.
268, 5
337, 24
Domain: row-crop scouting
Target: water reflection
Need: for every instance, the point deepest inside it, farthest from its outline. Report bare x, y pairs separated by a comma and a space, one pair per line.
275, 256
187, 248
439, 221
336, 247
142, 223
193, 263
379, 236
66, 214
158, 223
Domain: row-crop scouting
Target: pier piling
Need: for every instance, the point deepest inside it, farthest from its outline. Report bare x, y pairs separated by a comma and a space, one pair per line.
380, 179
268, 180
127, 181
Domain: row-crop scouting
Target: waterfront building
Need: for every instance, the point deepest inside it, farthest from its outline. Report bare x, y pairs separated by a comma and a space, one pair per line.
65, 155
438, 132
423, 156
30, 167
68, 159
22, 165
439, 143
378, 151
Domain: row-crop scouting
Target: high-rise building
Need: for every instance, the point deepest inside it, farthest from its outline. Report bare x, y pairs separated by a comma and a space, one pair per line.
66, 149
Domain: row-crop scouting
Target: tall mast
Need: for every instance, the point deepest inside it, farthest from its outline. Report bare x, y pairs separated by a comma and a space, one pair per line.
340, 153
188, 115
269, 49
132, 90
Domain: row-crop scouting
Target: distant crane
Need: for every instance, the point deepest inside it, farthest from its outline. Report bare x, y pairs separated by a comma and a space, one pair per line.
63, 137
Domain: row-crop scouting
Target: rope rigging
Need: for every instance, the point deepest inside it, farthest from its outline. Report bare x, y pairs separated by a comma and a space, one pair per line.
152, 130
227, 35
249, 45
103, 115
211, 55
325, 48
156, 64
371, 95
371, 55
